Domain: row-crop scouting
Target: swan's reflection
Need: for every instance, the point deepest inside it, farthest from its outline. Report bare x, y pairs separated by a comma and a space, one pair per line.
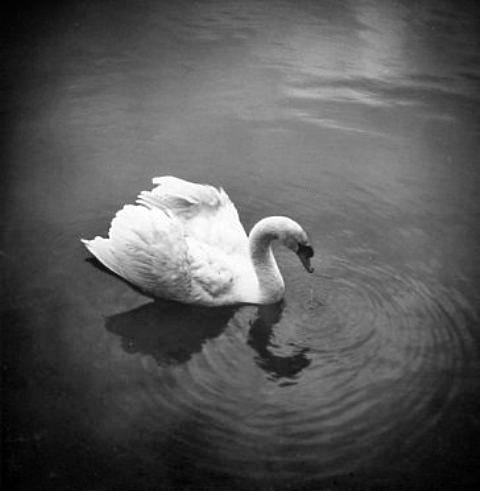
171, 333
260, 339
168, 331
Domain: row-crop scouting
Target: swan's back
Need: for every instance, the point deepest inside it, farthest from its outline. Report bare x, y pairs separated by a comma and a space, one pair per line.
206, 213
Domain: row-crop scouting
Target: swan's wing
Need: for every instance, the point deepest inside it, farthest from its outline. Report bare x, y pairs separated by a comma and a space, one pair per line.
212, 278
146, 247
207, 213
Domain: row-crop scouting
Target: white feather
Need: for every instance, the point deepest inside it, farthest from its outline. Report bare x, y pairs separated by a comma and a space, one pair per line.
206, 213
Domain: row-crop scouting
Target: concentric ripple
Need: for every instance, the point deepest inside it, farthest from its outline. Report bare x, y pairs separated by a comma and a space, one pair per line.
338, 380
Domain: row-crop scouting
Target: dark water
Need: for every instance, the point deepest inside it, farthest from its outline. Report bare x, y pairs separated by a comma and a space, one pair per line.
360, 120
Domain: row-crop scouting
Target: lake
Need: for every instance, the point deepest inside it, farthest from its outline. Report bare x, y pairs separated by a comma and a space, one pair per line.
358, 119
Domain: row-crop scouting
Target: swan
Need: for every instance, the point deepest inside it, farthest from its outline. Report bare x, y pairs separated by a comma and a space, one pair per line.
184, 241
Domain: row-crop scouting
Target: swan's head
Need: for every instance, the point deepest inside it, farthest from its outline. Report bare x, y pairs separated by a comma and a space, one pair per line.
289, 233
296, 239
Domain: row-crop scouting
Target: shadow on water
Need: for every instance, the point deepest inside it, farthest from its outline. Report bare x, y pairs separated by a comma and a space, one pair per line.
260, 339
168, 331
171, 333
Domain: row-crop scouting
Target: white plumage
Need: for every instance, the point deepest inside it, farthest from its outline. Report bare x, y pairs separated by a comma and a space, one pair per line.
184, 241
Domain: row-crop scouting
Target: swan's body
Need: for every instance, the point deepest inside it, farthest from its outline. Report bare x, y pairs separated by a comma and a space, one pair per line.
184, 241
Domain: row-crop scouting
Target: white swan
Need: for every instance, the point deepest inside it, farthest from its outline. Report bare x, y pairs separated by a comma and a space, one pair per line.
184, 242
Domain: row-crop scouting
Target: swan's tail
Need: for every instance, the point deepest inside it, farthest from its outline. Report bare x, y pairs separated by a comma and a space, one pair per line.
101, 249
134, 228
146, 248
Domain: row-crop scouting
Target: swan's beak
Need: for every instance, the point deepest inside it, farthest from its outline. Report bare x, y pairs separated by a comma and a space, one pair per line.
305, 252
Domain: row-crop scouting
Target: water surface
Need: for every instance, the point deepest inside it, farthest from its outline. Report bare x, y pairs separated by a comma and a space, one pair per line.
357, 119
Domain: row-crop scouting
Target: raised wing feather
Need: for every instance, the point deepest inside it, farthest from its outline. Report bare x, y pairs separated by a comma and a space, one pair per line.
146, 247
206, 213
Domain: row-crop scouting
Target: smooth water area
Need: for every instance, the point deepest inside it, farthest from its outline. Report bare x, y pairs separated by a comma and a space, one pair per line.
359, 119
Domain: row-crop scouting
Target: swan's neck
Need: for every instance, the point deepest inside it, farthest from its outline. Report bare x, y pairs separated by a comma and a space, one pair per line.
270, 281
